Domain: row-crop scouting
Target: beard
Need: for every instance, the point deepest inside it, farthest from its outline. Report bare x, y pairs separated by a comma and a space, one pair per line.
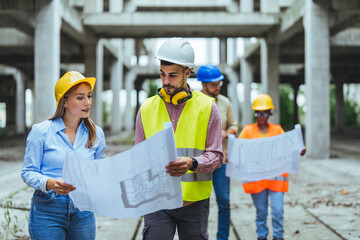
175, 89
211, 94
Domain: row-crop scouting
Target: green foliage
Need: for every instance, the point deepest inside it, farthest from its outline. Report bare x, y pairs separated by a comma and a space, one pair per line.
352, 113
286, 107
152, 88
10, 225
351, 109
332, 105
106, 112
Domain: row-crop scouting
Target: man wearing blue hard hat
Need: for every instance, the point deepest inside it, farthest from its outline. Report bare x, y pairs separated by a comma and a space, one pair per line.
211, 79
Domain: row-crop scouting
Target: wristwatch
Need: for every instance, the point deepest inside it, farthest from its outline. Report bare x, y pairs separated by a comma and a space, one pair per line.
194, 164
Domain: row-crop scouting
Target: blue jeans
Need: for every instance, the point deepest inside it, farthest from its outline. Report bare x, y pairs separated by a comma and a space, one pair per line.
260, 201
53, 217
221, 185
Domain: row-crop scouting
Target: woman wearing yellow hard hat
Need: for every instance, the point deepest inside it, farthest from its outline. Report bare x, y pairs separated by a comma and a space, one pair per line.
69, 130
264, 189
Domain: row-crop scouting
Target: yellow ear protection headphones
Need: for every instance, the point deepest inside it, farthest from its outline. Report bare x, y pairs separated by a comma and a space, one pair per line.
177, 98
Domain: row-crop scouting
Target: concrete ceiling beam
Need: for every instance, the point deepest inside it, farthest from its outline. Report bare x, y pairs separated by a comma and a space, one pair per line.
252, 49
11, 6
345, 5
192, 24
291, 21
347, 38
72, 24
24, 22
183, 3
13, 37
341, 21
110, 48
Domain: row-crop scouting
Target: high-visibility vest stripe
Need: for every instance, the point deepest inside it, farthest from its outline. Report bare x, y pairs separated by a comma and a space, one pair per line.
190, 137
278, 178
189, 152
192, 176
195, 177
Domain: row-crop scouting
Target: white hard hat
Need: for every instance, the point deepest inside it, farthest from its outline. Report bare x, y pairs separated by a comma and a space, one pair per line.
178, 51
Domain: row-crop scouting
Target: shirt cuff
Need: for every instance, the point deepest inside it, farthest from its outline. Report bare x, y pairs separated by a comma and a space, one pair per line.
43, 185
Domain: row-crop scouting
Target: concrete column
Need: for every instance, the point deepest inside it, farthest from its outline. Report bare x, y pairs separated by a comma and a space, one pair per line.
129, 115
209, 52
116, 6
233, 50
317, 79
94, 68
269, 6
129, 50
33, 106
47, 59
247, 79
340, 106
97, 97
90, 69
247, 6
137, 50
94, 6
270, 75
20, 101
223, 51
233, 78
116, 86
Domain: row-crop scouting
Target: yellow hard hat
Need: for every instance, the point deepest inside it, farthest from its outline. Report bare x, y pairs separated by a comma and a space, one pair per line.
69, 80
262, 102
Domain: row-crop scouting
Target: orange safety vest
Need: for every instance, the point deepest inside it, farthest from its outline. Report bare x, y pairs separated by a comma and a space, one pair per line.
277, 184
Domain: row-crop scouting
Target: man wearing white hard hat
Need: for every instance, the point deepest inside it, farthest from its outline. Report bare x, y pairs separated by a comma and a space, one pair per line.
197, 128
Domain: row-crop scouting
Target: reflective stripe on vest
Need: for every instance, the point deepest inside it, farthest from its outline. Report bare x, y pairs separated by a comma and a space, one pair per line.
276, 184
190, 137
192, 176
278, 178
195, 177
189, 152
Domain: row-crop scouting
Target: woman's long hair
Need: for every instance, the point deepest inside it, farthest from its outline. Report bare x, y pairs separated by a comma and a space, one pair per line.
89, 124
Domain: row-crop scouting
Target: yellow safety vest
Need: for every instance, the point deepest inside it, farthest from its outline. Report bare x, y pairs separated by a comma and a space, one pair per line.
190, 137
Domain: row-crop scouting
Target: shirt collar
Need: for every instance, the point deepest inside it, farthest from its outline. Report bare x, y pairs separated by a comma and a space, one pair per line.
60, 125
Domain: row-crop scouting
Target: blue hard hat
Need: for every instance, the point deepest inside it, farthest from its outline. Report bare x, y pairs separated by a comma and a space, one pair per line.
209, 73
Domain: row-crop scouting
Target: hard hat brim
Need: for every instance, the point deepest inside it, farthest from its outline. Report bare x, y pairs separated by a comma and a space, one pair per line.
213, 79
262, 108
189, 65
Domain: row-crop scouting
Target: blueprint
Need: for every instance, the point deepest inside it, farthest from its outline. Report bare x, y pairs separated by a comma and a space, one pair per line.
130, 184
264, 158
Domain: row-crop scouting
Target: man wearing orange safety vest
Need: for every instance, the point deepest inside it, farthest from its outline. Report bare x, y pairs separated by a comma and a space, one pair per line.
267, 188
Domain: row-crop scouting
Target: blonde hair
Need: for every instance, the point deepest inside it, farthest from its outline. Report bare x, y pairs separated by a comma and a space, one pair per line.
89, 124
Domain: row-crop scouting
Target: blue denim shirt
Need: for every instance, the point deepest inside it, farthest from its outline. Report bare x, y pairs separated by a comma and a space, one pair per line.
47, 146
